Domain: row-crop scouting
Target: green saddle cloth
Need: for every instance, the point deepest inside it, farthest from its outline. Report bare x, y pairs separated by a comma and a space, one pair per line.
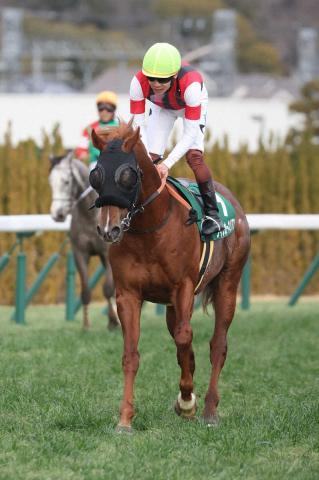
190, 192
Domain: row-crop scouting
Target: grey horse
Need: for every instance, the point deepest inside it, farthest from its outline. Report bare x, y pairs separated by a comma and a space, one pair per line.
71, 193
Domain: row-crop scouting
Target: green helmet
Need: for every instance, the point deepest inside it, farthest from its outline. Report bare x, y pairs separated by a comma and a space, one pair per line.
162, 60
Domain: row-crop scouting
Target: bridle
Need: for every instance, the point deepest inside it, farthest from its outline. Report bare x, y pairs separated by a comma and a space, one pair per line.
135, 209
139, 208
117, 178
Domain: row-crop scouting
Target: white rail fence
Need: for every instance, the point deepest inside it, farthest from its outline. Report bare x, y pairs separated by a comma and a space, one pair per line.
24, 225
267, 221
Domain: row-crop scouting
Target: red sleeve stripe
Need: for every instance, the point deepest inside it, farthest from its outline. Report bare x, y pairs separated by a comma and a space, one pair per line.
192, 113
80, 150
137, 106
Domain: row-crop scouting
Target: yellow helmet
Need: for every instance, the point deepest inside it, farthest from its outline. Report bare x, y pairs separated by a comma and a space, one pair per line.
162, 60
107, 97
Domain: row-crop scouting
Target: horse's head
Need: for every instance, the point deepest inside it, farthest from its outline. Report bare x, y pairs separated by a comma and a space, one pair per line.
117, 181
65, 182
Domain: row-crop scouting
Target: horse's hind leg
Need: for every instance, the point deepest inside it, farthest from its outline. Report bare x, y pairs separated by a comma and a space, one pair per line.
82, 261
224, 300
109, 291
178, 322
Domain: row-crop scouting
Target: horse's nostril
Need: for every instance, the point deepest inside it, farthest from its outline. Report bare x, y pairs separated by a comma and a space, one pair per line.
58, 216
99, 230
115, 233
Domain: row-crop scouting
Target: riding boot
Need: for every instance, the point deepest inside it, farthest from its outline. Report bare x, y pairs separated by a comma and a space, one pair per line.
211, 222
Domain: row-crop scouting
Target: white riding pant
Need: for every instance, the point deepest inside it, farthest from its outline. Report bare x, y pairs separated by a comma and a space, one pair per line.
160, 123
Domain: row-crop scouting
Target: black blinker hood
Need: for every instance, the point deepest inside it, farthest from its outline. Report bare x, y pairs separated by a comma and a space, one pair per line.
104, 179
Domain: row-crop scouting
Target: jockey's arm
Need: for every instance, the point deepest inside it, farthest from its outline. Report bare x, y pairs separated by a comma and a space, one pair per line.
137, 108
82, 150
82, 155
191, 124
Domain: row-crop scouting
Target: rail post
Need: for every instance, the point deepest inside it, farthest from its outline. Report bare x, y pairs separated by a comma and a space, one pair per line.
305, 280
4, 260
245, 285
20, 283
39, 280
160, 309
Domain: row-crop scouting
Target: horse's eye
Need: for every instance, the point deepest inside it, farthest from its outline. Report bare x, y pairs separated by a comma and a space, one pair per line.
96, 178
126, 177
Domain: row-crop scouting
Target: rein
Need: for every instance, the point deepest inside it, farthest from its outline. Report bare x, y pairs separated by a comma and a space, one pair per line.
157, 227
126, 222
84, 194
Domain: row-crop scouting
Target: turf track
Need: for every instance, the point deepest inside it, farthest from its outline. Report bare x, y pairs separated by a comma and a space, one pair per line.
60, 391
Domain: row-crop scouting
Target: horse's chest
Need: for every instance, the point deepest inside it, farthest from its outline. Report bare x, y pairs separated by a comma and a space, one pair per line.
155, 278
87, 240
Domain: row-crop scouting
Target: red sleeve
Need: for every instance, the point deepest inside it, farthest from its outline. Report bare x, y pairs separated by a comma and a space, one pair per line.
82, 147
192, 113
137, 106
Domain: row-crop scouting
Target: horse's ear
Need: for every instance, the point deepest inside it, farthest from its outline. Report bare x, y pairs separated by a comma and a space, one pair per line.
97, 141
130, 141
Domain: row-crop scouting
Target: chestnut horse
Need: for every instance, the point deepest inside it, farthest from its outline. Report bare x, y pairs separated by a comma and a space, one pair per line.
155, 256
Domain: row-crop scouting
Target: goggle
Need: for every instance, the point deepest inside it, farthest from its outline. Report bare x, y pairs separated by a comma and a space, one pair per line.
107, 107
160, 80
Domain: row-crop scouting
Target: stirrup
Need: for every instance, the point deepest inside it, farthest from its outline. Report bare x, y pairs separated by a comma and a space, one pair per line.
212, 225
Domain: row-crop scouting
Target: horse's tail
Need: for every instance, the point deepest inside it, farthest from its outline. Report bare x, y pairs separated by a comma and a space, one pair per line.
208, 294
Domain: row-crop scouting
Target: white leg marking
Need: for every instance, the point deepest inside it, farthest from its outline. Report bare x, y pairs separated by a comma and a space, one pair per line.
186, 404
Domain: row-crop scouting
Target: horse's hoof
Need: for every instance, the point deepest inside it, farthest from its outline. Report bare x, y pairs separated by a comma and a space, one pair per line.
113, 325
211, 420
124, 429
186, 409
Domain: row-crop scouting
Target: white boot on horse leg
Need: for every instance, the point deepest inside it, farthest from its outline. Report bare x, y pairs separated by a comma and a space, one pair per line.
186, 408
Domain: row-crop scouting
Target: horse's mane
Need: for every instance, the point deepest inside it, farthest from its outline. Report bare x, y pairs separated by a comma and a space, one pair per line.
56, 159
83, 169
123, 130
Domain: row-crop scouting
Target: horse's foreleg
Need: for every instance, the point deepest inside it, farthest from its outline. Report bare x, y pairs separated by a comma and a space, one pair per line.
82, 261
178, 321
171, 323
113, 318
129, 310
224, 301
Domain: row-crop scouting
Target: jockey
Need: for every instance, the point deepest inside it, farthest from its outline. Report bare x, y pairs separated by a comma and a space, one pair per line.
175, 89
106, 103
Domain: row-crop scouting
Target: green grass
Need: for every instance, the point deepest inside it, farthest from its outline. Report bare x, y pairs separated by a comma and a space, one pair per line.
61, 388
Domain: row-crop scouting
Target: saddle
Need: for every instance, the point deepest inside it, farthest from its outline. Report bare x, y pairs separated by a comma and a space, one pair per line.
190, 193
187, 193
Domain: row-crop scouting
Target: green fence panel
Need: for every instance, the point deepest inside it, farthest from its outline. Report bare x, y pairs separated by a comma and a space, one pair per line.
304, 282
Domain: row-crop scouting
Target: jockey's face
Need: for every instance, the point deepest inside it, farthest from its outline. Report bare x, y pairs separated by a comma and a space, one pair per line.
158, 86
106, 112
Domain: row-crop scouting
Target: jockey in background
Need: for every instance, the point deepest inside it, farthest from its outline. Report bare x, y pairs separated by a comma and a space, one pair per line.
175, 89
106, 103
